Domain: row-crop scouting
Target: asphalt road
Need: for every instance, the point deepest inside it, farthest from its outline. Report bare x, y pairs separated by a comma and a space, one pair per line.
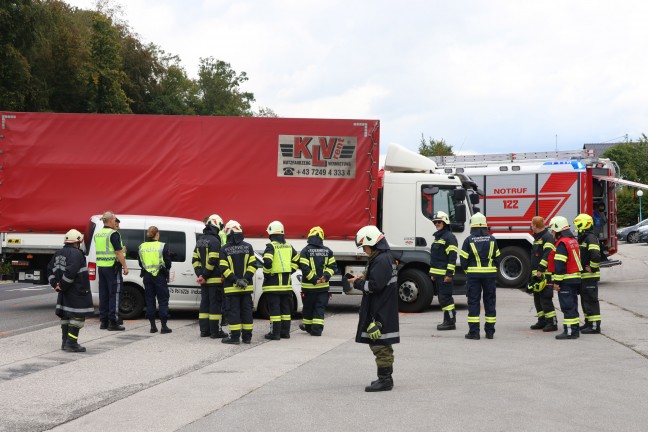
521, 380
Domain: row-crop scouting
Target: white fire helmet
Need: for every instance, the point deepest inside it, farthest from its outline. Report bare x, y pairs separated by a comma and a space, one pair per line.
559, 223
478, 220
73, 236
441, 216
275, 227
216, 221
368, 236
233, 227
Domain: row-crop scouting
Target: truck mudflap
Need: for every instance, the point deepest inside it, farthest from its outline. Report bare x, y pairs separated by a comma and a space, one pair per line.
610, 263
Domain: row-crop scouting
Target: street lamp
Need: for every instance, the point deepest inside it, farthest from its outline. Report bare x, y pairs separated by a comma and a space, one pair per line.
640, 194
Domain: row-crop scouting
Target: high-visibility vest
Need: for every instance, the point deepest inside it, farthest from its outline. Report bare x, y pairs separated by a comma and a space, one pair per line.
282, 260
150, 254
105, 251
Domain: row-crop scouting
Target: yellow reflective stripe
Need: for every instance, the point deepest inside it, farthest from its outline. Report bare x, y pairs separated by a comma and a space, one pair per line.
441, 241
203, 315
275, 318
306, 321
570, 321
285, 317
593, 246
476, 254
318, 321
248, 326
235, 327
451, 248
541, 314
215, 317
549, 246
550, 314
594, 318
449, 307
452, 267
437, 271
215, 280
473, 319
481, 270
560, 257
270, 288
490, 319
464, 254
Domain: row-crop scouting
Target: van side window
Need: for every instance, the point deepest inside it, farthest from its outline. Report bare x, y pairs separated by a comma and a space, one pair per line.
177, 242
132, 238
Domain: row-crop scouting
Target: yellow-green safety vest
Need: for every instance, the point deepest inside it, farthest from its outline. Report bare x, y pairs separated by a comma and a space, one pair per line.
150, 254
105, 251
281, 262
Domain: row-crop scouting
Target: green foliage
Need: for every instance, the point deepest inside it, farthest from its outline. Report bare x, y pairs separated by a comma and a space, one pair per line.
5, 268
63, 59
632, 158
433, 147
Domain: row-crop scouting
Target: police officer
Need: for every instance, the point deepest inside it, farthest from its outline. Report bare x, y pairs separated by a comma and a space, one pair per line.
590, 252
480, 258
565, 264
280, 260
67, 273
155, 262
443, 259
378, 321
238, 265
542, 295
206, 263
110, 263
317, 264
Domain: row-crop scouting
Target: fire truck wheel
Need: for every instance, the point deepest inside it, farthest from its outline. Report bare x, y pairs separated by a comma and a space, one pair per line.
514, 267
415, 291
132, 303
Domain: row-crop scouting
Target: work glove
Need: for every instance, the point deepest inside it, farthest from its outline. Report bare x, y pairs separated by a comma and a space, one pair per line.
374, 330
241, 283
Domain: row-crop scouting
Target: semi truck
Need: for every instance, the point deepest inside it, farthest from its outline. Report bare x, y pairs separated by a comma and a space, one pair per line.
59, 169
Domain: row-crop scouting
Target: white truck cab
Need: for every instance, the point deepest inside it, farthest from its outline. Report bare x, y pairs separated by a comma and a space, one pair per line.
180, 234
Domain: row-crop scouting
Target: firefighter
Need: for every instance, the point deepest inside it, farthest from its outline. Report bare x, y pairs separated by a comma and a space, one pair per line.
443, 259
480, 258
540, 277
378, 321
565, 265
67, 273
155, 262
238, 265
317, 264
110, 263
206, 263
590, 252
280, 260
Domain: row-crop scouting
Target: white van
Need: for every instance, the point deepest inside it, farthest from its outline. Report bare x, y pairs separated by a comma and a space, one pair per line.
180, 234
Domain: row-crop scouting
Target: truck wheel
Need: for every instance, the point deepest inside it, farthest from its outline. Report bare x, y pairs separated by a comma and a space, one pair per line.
132, 303
514, 268
415, 291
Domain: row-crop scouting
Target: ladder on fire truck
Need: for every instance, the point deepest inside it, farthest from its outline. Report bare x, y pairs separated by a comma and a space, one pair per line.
480, 160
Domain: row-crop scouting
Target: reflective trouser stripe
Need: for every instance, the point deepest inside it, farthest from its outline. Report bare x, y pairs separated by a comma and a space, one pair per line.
215, 317
449, 307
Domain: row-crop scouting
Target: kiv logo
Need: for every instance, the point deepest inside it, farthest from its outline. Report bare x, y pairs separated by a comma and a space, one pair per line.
318, 150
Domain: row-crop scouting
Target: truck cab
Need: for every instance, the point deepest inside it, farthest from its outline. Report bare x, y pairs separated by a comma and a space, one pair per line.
180, 234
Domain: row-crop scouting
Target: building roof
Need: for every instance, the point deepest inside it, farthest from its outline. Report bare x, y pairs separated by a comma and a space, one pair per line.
599, 148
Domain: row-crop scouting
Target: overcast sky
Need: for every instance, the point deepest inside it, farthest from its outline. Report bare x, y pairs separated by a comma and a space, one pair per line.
484, 75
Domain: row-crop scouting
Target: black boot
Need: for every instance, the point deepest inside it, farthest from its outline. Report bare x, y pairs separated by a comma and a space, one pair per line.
153, 326
551, 326
64, 334
104, 325
594, 328
71, 343
384, 381
114, 326
447, 325
247, 336
305, 327
542, 322
234, 338
203, 323
165, 329
569, 332
587, 324
215, 330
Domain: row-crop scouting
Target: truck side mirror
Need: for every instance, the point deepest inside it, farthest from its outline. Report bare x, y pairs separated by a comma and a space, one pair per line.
474, 199
459, 194
460, 214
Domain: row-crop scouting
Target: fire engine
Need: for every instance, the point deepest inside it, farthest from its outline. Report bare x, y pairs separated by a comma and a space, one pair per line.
515, 187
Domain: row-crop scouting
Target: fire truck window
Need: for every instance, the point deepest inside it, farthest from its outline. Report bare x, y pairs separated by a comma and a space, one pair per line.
441, 201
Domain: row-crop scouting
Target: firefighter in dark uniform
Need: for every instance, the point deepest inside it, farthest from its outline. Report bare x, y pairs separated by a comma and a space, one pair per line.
590, 260
565, 265
378, 321
110, 263
67, 273
155, 262
317, 264
443, 260
238, 265
480, 259
542, 294
206, 263
280, 260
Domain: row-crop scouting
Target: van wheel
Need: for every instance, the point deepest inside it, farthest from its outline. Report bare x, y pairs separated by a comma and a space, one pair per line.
132, 303
415, 291
514, 268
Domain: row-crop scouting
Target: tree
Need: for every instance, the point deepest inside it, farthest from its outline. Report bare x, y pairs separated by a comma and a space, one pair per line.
434, 147
265, 112
219, 90
632, 158
106, 77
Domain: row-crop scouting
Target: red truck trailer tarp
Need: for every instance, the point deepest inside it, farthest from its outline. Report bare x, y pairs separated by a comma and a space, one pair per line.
59, 169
